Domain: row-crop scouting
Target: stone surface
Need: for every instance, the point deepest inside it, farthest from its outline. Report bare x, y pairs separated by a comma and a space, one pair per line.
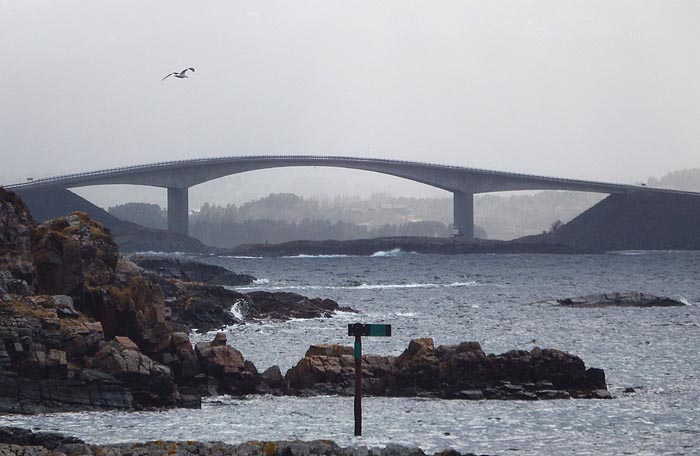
201, 307
460, 371
330, 369
81, 329
228, 372
191, 271
15, 441
285, 306
629, 299
16, 226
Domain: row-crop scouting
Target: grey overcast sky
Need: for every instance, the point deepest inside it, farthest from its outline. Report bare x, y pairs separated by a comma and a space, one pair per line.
606, 90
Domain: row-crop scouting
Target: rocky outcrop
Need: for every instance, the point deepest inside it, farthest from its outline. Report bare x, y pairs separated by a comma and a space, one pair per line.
16, 267
461, 371
16, 441
227, 372
285, 306
82, 329
43, 343
196, 306
191, 271
201, 307
407, 244
631, 299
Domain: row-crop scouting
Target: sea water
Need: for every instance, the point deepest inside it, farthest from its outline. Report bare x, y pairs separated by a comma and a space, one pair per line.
502, 301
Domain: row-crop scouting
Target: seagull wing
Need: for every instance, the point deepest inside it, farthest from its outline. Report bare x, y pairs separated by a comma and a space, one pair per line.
168, 76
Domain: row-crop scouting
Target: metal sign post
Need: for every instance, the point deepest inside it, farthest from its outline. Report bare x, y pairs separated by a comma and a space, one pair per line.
358, 330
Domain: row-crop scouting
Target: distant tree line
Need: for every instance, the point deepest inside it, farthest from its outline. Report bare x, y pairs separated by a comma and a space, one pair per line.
284, 217
685, 179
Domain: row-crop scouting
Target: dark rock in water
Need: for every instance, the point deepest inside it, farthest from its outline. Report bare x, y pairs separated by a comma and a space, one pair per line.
461, 371
204, 307
15, 441
25, 437
284, 306
632, 299
201, 307
191, 271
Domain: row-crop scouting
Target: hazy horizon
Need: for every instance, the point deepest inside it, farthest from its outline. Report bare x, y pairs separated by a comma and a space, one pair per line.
594, 90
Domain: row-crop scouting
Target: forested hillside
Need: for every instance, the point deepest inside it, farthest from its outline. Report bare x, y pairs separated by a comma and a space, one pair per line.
284, 217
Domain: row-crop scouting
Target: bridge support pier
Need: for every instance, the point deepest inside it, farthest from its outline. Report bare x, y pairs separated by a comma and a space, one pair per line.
178, 211
463, 206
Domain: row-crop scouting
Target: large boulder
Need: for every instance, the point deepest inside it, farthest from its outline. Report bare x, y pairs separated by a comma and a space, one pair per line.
71, 250
226, 370
151, 383
330, 369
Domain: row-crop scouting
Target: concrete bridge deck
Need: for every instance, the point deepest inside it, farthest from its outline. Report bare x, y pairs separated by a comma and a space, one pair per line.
178, 176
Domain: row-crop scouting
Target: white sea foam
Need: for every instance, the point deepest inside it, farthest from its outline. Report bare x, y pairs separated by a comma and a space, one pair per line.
236, 310
261, 281
390, 253
628, 252
685, 301
166, 254
361, 286
318, 256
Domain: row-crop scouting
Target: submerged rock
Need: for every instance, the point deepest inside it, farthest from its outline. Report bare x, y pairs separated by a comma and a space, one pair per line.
629, 299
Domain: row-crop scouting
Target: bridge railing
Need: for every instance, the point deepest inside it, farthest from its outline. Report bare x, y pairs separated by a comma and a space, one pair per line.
185, 163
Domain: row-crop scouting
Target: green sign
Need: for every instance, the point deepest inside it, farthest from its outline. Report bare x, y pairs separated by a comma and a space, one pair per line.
359, 329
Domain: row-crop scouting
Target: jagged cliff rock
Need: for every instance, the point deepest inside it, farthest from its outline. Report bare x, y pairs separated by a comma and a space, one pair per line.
16, 225
83, 329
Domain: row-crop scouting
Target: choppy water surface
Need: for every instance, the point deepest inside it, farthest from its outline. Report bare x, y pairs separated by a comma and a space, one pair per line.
487, 298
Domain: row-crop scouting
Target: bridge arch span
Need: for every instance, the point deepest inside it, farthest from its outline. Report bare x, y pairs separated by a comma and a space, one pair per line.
178, 176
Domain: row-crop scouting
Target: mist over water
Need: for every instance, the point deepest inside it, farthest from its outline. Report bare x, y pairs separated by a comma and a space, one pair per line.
487, 298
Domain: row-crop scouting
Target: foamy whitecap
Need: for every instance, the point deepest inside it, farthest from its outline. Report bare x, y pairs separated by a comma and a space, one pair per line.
391, 253
318, 256
236, 310
361, 286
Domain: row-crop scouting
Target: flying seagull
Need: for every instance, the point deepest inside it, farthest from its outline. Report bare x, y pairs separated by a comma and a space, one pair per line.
181, 74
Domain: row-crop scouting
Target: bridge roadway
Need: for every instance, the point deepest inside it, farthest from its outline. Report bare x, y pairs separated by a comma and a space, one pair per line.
178, 176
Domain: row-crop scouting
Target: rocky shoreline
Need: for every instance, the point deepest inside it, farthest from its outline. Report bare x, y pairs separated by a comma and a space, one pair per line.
198, 301
16, 441
460, 371
82, 328
423, 245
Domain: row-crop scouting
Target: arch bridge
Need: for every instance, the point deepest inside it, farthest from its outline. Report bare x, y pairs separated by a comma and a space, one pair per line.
178, 176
